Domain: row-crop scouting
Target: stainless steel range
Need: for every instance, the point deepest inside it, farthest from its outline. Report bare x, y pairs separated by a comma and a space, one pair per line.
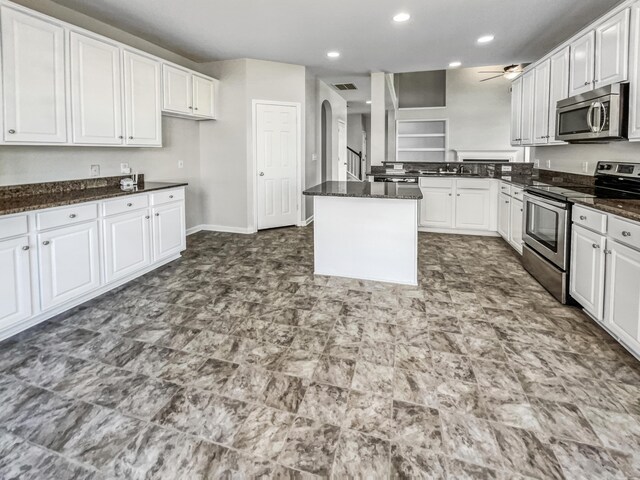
547, 221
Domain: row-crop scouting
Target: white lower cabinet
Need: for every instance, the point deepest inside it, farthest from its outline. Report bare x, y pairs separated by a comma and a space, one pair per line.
127, 243
69, 263
168, 230
504, 215
622, 311
586, 283
15, 281
463, 204
516, 219
83, 250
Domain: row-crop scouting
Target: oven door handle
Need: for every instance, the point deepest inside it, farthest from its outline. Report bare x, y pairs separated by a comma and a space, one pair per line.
544, 202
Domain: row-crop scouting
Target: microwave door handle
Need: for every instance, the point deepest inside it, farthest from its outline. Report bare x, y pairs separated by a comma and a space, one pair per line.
590, 115
603, 117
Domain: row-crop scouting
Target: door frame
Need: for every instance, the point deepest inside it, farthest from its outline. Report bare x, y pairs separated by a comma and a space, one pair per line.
252, 195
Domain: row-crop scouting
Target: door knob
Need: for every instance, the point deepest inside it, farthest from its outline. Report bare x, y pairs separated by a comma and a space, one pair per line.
262, 174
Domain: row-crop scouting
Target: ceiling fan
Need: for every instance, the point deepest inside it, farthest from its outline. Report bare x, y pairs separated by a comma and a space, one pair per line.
509, 72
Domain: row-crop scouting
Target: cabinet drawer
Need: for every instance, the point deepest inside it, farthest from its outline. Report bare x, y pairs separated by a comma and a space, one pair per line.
166, 196
13, 226
127, 204
505, 188
436, 182
516, 192
624, 231
590, 219
67, 216
474, 183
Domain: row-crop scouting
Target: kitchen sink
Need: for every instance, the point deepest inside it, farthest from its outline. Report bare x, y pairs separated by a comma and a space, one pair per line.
443, 174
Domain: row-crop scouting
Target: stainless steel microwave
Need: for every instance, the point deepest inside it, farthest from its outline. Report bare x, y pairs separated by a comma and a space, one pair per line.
596, 116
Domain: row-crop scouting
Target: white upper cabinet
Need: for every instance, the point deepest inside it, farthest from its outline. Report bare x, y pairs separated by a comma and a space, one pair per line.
96, 93
142, 101
528, 84
542, 75
178, 90
612, 50
582, 64
634, 74
203, 96
558, 87
516, 111
33, 76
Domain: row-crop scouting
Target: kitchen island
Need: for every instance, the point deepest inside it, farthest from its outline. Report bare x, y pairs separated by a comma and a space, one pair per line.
366, 230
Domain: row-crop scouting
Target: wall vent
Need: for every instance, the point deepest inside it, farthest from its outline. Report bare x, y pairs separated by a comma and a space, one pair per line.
345, 86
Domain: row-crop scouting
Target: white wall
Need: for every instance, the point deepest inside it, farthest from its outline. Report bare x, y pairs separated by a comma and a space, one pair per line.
355, 127
226, 146
25, 164
479, 113
572, 158
312, 166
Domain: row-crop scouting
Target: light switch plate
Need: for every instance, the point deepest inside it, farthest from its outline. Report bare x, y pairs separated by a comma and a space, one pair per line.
314, 157
95, 170
124, 168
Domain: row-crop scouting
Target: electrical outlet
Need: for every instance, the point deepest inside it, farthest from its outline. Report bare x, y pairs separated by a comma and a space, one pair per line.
585, 167
536, 163
124, 168
548, 163
95, 170
180, 164
506, 168
314, 157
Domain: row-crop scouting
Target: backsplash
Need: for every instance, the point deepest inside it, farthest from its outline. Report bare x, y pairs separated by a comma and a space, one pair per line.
480, 168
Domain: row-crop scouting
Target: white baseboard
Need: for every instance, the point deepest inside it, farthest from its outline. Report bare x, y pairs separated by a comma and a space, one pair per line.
219, 228
306, 222
453, 231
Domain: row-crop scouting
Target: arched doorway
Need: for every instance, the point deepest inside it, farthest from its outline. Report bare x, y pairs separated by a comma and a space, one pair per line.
326, 142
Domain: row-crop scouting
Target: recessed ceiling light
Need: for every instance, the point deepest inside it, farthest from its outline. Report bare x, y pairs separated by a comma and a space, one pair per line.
455, 64
333, 54
368, 102
401, 17
486, 39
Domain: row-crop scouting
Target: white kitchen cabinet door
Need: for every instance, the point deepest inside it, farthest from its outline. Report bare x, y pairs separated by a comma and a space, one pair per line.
612, 50
127, 244
69, 263
142, 100
15, 282
436, 207
541, 111
622, 314
504, 216
582, 64
473, 209
528, 84
96, 91
586, 278
516, 219
168, 230
203, 97
33, 75
558, 87
516, 112
177, 88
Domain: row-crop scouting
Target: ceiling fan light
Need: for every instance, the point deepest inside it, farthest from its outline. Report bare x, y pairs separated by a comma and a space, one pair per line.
511, 75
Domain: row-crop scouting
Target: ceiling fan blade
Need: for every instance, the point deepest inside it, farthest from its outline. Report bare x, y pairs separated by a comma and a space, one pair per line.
490, 78
492, 71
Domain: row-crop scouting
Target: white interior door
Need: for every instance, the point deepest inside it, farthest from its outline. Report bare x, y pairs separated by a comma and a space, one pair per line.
33, 77
276, 140
342, 151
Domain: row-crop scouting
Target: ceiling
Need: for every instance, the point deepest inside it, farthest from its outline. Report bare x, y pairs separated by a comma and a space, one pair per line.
302, 31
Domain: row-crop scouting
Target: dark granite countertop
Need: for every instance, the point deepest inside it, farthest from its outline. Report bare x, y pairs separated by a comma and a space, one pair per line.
41, 200
625, 208
366, 190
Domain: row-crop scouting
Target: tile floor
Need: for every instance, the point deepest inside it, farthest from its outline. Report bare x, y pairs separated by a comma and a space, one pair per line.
236, 362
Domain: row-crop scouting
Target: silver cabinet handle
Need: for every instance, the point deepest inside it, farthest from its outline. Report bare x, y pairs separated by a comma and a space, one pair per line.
129, 204
26, 247
147, 217
120, 136
450, 194
170, 196
72, 215
195, 108
506, 201
157, 214
458, 194
46, 242
190, 107
262, 174
12, 131
626, 234
582, 217
130, 138
595, 245
607, 252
